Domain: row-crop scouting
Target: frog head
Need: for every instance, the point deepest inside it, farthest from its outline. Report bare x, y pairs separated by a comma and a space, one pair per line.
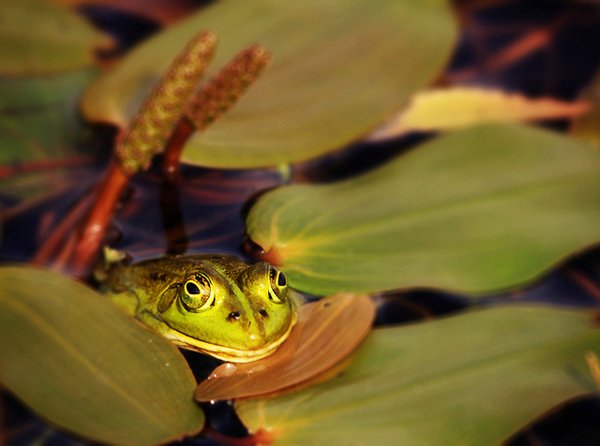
218, 305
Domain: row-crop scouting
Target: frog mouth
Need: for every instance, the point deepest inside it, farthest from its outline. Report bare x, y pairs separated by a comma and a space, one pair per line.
225, 353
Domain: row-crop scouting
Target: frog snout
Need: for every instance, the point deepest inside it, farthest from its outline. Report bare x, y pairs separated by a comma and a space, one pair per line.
240, 319
236, 315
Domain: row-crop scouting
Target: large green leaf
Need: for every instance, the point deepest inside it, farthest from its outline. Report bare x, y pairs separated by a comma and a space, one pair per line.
467, 380
476, 211
39, 37
79, 362
339, 67
38, 116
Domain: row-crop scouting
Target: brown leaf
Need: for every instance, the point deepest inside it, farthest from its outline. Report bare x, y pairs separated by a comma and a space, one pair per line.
327, 332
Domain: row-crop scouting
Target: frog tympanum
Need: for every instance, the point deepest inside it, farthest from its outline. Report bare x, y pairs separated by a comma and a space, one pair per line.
215, 304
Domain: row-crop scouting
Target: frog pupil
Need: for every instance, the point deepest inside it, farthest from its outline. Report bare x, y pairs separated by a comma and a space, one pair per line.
192, 288
281, 280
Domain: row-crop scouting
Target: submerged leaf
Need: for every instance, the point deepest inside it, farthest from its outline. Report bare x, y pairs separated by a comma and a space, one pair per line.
326, 333
38, 116
467, 380
339, 68
80, 363
479, 210
39, 37
459, 107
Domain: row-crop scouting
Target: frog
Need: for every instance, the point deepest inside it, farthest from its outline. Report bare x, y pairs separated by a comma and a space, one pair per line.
216, 304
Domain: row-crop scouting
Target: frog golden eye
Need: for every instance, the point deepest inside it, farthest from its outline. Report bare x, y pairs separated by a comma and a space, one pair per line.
277, 285
197, 294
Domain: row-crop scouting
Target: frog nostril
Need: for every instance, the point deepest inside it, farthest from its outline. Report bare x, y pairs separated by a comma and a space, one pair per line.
263, 312
234, 316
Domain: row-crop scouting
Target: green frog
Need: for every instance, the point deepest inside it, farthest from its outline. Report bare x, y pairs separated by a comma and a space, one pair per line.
214, 304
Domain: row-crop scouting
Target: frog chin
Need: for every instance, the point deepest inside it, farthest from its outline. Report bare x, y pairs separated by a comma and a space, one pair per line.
225, 353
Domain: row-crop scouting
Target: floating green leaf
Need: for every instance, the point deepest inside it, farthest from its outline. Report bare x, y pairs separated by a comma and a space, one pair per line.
79, 362
39, 37
339, 67
477, 211
467, 380
38, 116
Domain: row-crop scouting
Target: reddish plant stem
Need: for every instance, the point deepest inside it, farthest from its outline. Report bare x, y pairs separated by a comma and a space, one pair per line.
61, 261
172, 154
173, 221
59, 235
147, 135
75, 251
535, 40
94, 229
175, 232
584, 282
44, 165
206, 105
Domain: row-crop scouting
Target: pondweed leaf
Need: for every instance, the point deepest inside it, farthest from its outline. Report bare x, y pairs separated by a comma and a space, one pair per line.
343, 320
476, 211
77, 361
40, 37
338, 69
471, 379
39, 118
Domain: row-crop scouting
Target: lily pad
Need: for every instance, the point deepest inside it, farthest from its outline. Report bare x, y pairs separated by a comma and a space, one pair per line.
39, 37
480, 210
468, 380
343, 319
38, 116
80, 363
338, 69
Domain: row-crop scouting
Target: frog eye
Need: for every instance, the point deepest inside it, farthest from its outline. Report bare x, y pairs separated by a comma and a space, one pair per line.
197, 294
277, 285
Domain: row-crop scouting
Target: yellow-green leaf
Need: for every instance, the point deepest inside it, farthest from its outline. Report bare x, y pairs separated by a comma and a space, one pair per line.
472, 379
478, 210
39, 37
459, 107
81, 364
39, 118
338, 69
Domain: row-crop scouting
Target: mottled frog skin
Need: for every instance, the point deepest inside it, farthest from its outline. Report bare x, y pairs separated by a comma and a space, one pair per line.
214, 304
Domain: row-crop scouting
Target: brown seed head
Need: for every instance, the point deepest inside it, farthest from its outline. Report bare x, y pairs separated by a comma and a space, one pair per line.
227, 86
157, 117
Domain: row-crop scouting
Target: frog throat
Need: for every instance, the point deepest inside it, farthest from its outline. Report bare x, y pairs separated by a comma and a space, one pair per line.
222, 352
